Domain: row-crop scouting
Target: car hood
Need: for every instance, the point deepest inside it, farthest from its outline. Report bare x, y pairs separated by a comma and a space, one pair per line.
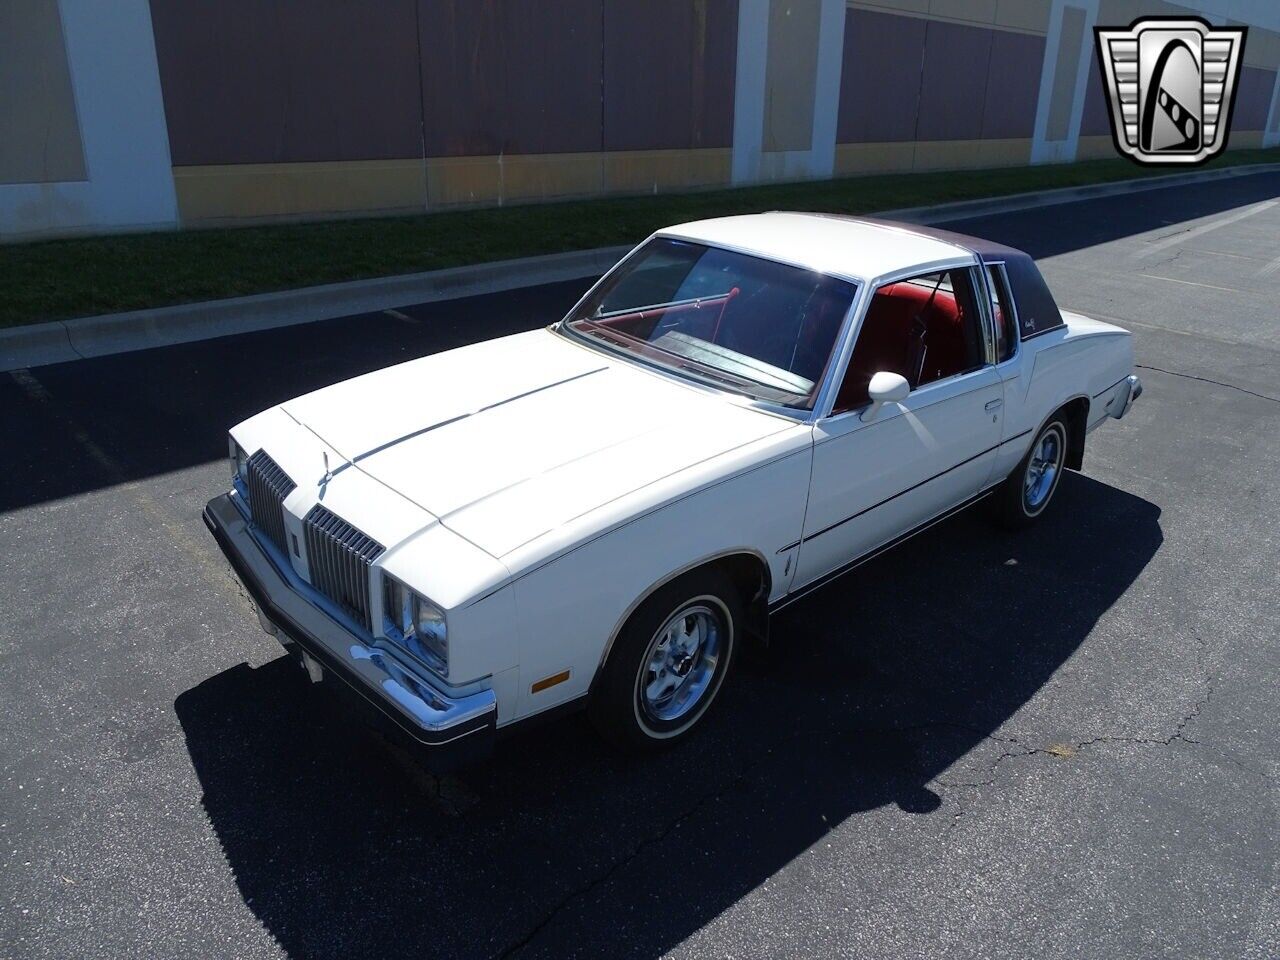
506, 440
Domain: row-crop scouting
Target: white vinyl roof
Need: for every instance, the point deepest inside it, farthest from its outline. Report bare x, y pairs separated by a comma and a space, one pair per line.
847, 248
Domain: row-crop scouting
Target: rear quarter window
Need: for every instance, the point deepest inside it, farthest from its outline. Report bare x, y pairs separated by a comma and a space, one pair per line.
1037, 311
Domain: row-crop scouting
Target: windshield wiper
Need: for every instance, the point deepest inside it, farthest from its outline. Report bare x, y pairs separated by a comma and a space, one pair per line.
782, 392
713, 300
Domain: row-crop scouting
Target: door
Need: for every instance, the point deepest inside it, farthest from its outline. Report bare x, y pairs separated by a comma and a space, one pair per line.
877, 478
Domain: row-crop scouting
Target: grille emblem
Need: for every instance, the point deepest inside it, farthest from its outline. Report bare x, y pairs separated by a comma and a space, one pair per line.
1171, 84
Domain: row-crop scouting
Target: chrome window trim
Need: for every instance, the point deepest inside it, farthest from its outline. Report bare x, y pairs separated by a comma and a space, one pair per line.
833, 377
1012, 306
860, 304
986, 312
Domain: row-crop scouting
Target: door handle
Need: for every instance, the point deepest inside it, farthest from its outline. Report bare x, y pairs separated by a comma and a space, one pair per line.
993, 405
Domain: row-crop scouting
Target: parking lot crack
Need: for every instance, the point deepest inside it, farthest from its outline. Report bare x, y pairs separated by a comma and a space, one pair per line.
1068, 750
1217, 383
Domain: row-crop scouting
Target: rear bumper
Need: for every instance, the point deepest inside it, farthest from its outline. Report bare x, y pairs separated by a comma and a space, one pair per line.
443, 731
1127, 391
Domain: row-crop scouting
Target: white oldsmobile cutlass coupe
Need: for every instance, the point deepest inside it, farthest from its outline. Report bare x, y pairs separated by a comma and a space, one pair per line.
600, 512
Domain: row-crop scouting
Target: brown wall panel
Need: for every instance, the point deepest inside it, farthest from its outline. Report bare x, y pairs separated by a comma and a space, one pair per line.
907, 78
953, 86
297, 80
1095, 121
1253, 98
880, 79
506, 77
1013, 85
669, 73
246, 82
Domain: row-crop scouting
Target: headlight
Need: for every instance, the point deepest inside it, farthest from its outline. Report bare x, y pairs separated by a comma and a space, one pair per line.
416, 623
239, 459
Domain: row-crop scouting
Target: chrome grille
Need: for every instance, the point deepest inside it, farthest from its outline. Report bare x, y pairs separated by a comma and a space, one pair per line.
339, 557
268, 485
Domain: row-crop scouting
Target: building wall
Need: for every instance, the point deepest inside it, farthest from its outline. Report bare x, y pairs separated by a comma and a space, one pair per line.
323, 108
120, 114
939, 86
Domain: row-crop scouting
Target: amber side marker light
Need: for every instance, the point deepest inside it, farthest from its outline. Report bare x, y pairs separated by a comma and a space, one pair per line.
550, 681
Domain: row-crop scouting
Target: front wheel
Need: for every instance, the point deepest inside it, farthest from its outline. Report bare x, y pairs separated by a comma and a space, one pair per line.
668, 662
1026, 492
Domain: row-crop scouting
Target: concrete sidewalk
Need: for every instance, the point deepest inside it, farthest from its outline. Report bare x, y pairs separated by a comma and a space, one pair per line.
63, 340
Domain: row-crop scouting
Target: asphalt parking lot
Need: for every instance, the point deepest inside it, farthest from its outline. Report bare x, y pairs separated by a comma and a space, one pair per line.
1061, 743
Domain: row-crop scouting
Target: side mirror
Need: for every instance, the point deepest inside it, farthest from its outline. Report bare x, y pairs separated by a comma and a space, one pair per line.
885, 388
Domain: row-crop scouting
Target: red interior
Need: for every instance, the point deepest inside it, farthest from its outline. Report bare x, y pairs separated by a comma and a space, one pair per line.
889, 332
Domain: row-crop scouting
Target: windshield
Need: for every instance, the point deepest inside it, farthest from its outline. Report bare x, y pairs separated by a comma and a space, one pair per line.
744, 323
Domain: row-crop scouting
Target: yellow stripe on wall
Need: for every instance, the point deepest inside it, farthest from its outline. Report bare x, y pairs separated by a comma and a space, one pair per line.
256, 190
225, 193
907, 156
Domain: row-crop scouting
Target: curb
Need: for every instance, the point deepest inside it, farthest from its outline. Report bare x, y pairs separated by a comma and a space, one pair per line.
39, 344
965, 209
63, 340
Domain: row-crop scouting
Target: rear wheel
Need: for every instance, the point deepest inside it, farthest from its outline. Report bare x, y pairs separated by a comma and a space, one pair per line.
668, 662
1027, 491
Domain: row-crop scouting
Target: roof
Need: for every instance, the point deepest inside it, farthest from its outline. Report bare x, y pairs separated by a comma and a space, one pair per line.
844, 246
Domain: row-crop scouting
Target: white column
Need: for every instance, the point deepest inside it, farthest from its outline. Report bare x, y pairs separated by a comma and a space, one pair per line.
1271, 134
1044, 150
826, 91
748, 98
748, 109
111, 56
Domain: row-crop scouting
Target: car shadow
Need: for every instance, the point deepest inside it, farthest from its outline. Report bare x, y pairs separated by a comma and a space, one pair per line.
871, 691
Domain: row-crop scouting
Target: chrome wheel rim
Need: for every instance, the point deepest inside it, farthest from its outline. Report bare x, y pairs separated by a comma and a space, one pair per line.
680, 663
1043, 469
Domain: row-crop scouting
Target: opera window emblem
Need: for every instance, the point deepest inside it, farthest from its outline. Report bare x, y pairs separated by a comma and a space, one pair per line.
1171, 84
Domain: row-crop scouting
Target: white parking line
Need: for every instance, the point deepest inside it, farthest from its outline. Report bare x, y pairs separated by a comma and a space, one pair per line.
1191, 283
178, 530
1270, 268
1186, 235
32, 387
1205, 252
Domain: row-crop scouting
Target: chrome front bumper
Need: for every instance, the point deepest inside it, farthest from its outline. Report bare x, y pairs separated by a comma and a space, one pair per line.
452, 730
